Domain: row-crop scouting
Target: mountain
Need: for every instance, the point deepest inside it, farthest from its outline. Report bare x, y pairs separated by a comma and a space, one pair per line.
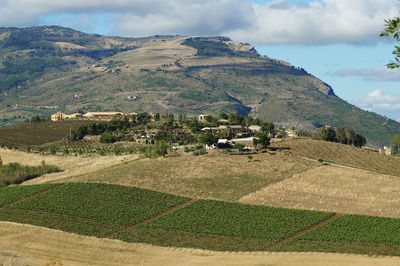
47, 69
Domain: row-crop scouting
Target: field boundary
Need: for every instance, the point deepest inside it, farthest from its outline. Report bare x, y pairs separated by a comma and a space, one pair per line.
149, 219
336, 164
31, 196
302, 232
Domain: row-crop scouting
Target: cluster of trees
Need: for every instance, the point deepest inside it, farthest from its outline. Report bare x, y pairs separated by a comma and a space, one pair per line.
396, 144
36, 119
117, 124
342, 135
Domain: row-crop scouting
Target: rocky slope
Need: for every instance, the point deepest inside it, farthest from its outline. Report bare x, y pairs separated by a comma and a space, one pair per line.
46, 69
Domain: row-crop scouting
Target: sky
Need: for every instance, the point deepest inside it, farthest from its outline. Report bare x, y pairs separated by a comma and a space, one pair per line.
335, 40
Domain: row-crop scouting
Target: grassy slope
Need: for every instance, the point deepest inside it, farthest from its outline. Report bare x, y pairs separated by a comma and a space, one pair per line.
38, 133
99, 209
341, 154
167, 77
213, 176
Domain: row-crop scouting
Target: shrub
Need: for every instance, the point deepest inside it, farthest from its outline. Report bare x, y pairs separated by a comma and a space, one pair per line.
199, 152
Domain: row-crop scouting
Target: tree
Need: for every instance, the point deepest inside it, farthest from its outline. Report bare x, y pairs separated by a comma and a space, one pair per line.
392, 30
327, 134
208, 138
360, 141
396, 144
267, 127
351, 136
341, 136
224, 116
161, 148
262, 140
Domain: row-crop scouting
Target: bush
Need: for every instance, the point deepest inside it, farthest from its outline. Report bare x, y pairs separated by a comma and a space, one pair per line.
199, 152
108, 138
15, 173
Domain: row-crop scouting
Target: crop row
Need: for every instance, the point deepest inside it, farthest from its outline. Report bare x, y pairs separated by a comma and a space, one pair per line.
356, 228
11, 194
238, 220
87, 149
110, 204
58, 221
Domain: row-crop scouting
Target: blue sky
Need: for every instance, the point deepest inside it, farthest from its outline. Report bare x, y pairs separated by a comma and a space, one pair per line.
335, 40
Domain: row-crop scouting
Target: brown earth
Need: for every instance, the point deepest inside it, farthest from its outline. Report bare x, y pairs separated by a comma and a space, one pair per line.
30, 245
336, 189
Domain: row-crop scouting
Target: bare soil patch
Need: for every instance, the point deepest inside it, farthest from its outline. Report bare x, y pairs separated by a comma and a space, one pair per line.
30, 245
334, 189
71, 165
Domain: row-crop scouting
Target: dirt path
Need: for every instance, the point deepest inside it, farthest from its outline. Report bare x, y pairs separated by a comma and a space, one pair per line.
30, 245
71, 165
110, 235
31, 196
313, 227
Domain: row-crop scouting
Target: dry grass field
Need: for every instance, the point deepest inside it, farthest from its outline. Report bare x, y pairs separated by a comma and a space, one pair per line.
38, 133
213, 176
332, 188
30, 245
70, 165
341, 154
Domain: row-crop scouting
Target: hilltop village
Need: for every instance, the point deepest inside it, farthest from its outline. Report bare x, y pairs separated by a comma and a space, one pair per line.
156, 134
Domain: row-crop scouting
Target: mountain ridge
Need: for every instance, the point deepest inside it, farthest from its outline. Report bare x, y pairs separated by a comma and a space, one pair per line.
51, 68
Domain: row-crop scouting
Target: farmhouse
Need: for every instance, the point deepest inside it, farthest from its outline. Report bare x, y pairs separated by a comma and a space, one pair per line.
255, 128
233, 128
58, 116
101, 114
290, 133
203, 117
386, 151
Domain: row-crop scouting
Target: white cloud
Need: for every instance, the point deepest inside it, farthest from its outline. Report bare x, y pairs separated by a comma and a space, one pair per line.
379, 101
371, 74
319, 22
276, 22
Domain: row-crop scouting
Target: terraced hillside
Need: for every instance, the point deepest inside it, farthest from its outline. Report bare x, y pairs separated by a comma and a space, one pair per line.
51, 68
138, 215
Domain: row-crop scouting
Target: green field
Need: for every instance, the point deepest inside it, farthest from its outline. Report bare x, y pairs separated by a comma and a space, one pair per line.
351, 234
245, 227
90, 209
139, 215
14, 193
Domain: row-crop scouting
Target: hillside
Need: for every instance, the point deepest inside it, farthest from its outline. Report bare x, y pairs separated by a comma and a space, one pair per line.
44, 69
144, 216
360, 182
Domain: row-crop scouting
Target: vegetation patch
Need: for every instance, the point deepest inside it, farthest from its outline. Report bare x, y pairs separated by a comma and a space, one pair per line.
90, 209
226, 220
15, 173
14, 193
351, 234
138, 215
43, 132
